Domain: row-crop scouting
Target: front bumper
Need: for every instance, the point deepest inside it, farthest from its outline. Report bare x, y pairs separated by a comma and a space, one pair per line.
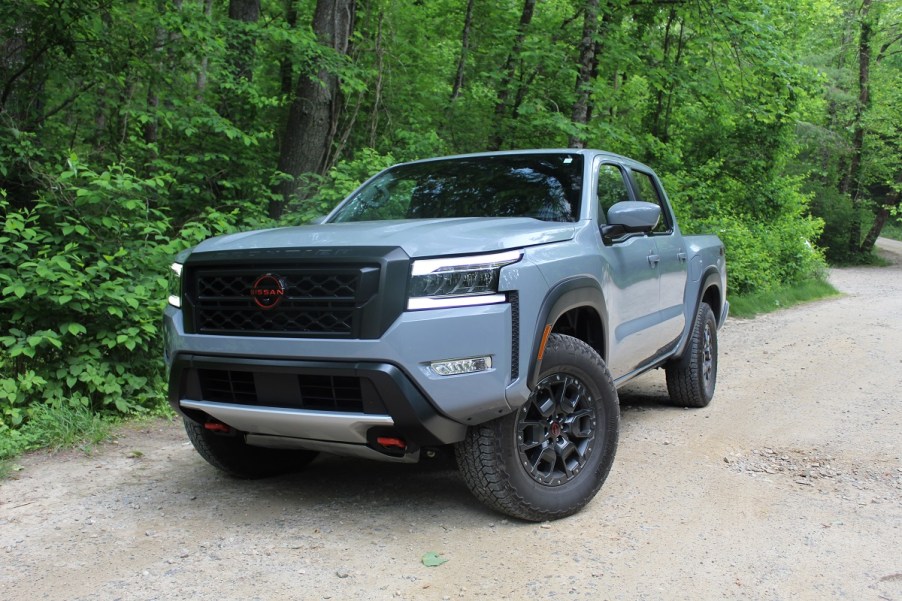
346, 403
396, 393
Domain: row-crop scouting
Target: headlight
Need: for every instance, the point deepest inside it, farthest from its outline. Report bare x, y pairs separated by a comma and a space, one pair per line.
175, 284
458, 281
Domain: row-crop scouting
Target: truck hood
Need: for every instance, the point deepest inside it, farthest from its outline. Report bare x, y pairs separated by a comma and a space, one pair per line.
417, 237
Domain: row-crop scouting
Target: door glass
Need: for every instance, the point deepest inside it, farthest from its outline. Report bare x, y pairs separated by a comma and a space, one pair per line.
648, 192
611, 189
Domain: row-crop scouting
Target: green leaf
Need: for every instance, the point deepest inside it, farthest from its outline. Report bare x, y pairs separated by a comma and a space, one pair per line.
431, 559
76, 328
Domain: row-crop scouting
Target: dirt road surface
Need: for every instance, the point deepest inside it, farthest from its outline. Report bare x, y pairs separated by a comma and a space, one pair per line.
788, 487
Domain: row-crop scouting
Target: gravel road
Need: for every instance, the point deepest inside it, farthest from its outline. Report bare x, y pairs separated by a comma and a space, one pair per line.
789, 486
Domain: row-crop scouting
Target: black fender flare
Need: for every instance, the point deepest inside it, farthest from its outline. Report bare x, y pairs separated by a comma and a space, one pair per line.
710, 279
572, 293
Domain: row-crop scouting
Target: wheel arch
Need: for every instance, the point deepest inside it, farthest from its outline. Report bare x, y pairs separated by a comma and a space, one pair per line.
575, 307
709, 292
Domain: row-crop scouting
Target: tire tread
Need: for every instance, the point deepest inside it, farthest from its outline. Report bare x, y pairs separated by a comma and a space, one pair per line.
481, 460
685, 382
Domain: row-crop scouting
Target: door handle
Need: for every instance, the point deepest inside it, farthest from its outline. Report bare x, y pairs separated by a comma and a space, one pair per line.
653, 260
681, 256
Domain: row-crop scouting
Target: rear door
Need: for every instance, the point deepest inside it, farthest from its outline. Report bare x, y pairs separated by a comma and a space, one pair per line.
672, 257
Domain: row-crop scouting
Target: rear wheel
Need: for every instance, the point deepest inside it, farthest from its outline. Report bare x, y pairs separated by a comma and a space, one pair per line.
548, 459
229, 453
691, 379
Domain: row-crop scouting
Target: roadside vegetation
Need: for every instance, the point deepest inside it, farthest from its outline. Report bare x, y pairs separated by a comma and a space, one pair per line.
131, 130
893, 230
54, 428
756, 303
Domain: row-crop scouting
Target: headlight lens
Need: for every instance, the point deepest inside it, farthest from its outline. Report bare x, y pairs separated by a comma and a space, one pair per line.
175, 285
458, 281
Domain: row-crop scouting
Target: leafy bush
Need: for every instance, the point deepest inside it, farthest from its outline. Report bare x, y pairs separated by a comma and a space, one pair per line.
769, 238
83, 283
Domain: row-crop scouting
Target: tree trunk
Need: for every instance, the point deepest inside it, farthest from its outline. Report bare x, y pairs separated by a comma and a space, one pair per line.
161, 42
380, 82
660, 118
286, 69
853, 184
313, 114
464, 49
205, 60
587, 47
879, 221
508, 72
240, 46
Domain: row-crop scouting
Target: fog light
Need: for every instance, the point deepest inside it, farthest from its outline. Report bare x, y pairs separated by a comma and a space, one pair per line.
461, 366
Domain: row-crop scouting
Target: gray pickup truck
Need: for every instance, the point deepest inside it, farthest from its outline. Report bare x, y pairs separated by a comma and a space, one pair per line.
489, 303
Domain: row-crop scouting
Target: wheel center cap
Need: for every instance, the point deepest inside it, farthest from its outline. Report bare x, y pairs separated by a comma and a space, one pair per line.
555, 429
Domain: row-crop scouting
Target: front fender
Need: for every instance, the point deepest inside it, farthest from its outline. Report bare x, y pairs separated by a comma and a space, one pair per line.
567, 295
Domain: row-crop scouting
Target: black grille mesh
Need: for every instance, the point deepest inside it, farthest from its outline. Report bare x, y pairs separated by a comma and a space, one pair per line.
315, 392
224, 386
316, 302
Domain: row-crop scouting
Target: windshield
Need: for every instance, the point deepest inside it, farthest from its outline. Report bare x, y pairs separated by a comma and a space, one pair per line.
541, 186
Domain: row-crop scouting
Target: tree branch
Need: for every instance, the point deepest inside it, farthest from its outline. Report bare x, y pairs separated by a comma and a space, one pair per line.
886, 47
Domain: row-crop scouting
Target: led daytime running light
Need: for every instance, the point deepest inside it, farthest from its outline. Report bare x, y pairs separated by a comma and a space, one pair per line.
457, 367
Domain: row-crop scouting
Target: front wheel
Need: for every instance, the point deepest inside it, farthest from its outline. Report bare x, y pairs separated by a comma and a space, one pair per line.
548, 459
691, 379
233, 456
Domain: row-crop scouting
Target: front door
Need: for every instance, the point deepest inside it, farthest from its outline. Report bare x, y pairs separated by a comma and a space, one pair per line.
630, 282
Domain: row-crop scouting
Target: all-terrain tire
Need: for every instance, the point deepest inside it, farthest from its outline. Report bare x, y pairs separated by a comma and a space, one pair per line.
548, 459
229, 453
692, 378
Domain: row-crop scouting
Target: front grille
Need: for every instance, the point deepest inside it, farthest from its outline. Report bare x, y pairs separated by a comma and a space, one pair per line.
287, 390
312, 301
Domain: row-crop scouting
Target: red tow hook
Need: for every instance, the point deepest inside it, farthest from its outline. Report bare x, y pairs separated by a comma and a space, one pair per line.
391, 443
217, 427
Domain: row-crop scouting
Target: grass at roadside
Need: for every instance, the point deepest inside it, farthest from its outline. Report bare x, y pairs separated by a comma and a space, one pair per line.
892, 229
53, 428
57, 428
780, 298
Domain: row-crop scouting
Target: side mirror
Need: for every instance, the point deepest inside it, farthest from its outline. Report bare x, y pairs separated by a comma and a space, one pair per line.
630, 217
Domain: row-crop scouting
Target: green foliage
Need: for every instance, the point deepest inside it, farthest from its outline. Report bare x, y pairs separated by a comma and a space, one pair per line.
55, 428
81, 294
765, 255
782, 297
766, 230
83, 285
893, 229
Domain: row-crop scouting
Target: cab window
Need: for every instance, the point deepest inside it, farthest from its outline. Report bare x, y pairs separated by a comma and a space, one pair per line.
611, 190
647, 191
